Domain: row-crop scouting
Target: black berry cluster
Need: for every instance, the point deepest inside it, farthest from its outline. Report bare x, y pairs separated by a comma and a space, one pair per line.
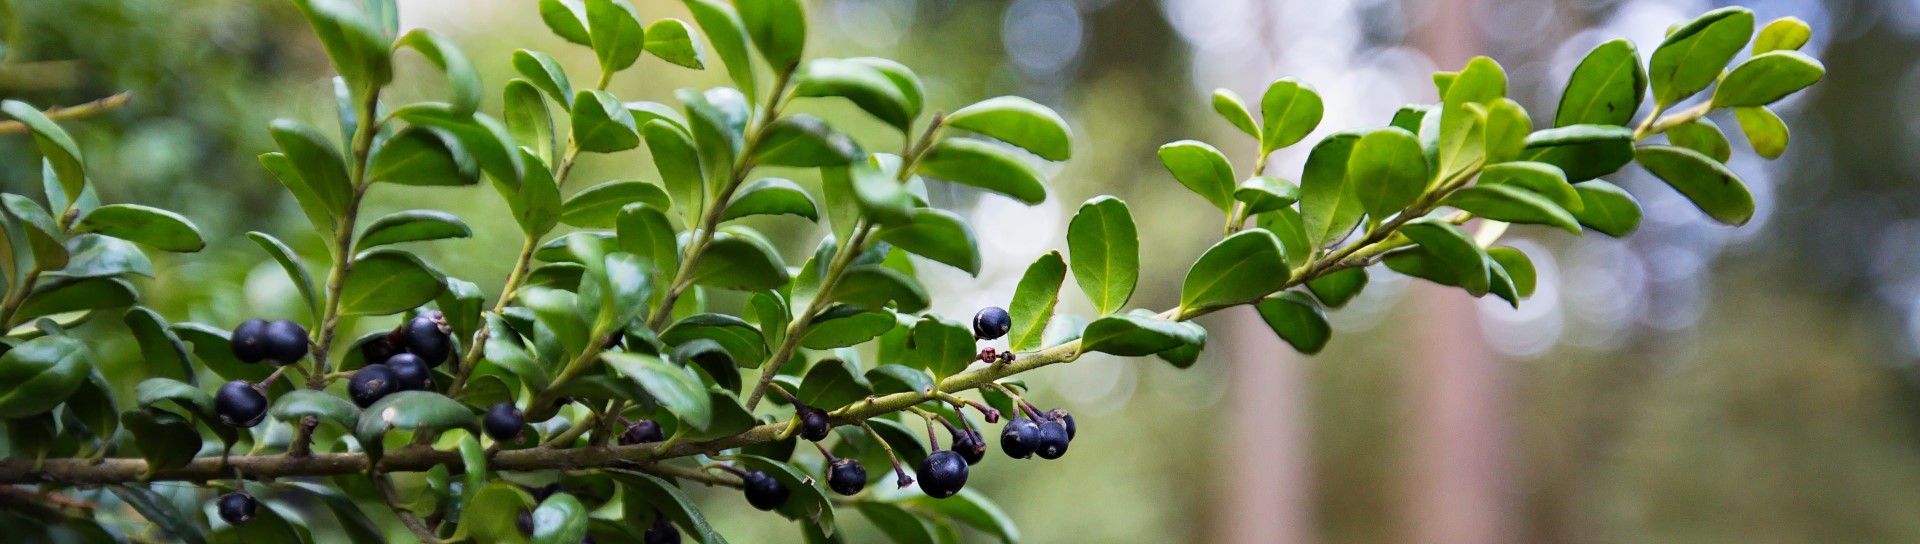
282, 342
1044, 434
406, 359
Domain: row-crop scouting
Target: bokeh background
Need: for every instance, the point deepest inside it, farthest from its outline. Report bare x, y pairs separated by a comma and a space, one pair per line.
1692, 383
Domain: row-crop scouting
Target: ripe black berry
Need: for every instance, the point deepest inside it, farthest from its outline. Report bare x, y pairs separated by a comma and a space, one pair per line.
249, 341
236, 508
284, 342
846, 476
992, 322
662, 532
372, 383
524, 523
943, 474
763, 491
503, 422
1020, 437
970, 445
1053, 439
641, 432
428, 336
814, 423
1064, 417
410, 371
240, 404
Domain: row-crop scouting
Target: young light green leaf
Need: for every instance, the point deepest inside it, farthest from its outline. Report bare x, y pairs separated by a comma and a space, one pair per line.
1542, 178
1783, 34
1388, 171
567, 19
1202, 169
318, 164
599, 206
1328, 208
601, 124
352, 39
559, 519
1512, 204
1033, 301
1518, 267
1290, 109
528, 120
1710, 185
1298, 319
1263, 194
778, 29
723, 29
672, 41
1232, 108
617, 35
1241, 268
1506, 131
1582, 152
1765, 131
413, 226
157, 228
1139, 334
1766, 78
387, 281
936, 234
1605, 89
1020, 122
771, 196
463, 81
1692, 56
987, 166
1704, 136
867, 86
546, 74
1105, 247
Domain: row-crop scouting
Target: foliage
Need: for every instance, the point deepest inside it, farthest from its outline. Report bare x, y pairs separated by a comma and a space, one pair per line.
608, 322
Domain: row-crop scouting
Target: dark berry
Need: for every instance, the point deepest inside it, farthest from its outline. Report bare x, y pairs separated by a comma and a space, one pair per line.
992, 322
236, 508
249, 341
240, 404
503, 422
410, 371
662, 532
379, 349
428, 336
285, 342
1053, 439
524, 523
642, 432
846, 476
763, 491
814, 423
970, 445
372, 383
1064, 417
1020, 437
943, 474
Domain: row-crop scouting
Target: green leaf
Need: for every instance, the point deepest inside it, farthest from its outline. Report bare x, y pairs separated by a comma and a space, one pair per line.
39, 374
159, 346
1583, 152
845, 326
1512, 204
1139, 334
45, 239
770, 196
1298, 319
559, 519
1506, 131
1240, 269
558, 312
778, 29
567, 19
598, 207
936, 234
873, 287
896, 378
1286, 224
644, 231
535, 202
738, 337
62, 155
723, 29
900, 526
663, 496
674, 155
160, 229
214, 349
740, 263
1202, 169
1034, 300
75, 295
352, 39
942, 346
601, 124
1290, 109
672, 41
1546, 179
986, 166
412, 411
729, 418
718, 118
1765, 131
1704, 136
676, 390
1462, 140
412, 226
165, 440
160, 510
802, 140
860, 82
1328, 209
1605, 89
1106, 252
1692, 55
903, 78
388, 281
423, 157
1263, 194
300, 403
528, 119
808, 502
318, 165
617, 35
1710, 185
481, 136
1388, 170
972, 508
1230, 107
93, 405
491, 515
1766, 78
99, 256
461, 306
1453, 249
462, 79
1518, 267
833, 383
1020, 122
153, 391
1783, 34
1336, 288
504, 348
357, 527
545, 73
296, 271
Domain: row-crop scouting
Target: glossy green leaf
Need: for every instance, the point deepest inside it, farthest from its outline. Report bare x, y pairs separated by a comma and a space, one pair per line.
352, 40
318, 164
1202, 169
1704, 136
936, 234
92, 256
663, 496
806, 141
778, 29
420, 156
908, 83
160, 229
493, 513
387, 281
1582, 152
845, 326
617, 35
599, 206
676, 390
1239, 269
354, 523
740, 263
942, 346
672, 41
739, 338
972, 508
1336, 288
546, 74
1298, 319
1139, 334
678, 162
729, 418
1710, 185
1766, 78
1034, 300
895, 378
1287, 225
1263, 194
567, 19
644, 230
535, 202
62, 155
214, 349
300, 403
987, 166
1506, 131
165, 440
160, 511
1020, 122
1453, 249
1692, 56
1232, 108
1328, 208
1605, 89
1518, 267
289, 177
412, 411
718, 120
559, 519
1105, 248
161, 349
833, 383
296, 271
1783, 34
92, 404
1388, 171
1545, 179
413, 226
862, 83
463, 81
504, 348
1512, 204
1765, 131
601, 124
728, 36
873, 287
527, 118
479, 135
73, 295
770, 196
45, 239
1290, 109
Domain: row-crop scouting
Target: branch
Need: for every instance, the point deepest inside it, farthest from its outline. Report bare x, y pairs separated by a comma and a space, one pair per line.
76, 111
